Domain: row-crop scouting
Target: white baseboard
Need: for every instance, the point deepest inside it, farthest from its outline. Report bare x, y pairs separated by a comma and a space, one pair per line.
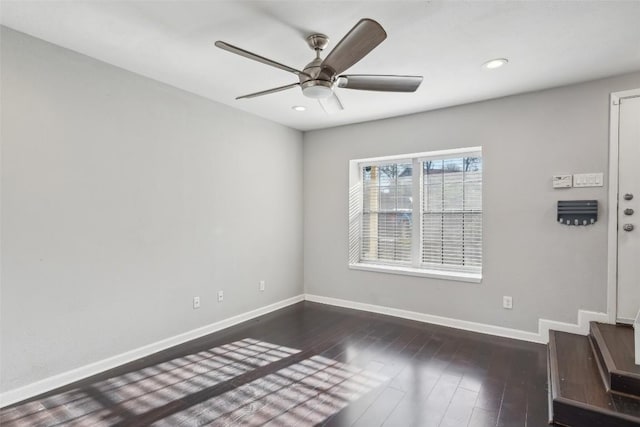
59, 380
581, 328
542, 336
430, 318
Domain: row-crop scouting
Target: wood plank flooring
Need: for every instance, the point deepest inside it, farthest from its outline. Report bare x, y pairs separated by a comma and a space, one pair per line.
312, 364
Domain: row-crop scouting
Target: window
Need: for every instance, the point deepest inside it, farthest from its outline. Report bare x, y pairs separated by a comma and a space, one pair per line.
418, 214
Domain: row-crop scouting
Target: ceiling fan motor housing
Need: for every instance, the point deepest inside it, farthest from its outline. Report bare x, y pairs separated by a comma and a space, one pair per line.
313, 81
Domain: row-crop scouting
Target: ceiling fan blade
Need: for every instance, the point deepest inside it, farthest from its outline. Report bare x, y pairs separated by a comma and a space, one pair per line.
234, 49
268, 91
362, 39
331, 104
380, 82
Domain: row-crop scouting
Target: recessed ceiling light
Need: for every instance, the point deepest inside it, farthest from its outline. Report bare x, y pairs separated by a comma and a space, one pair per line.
495, 63
299, 108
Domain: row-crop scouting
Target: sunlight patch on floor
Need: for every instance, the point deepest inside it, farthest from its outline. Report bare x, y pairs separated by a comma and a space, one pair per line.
302, 393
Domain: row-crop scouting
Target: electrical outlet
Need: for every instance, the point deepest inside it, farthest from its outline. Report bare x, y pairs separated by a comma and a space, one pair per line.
261, 287
220, 296
196, 302
507, 302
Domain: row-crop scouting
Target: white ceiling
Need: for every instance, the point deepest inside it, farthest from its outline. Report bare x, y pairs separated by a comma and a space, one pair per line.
548, 43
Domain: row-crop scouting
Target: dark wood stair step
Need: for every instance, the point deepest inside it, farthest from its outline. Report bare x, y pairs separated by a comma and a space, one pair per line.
578, 396
613, 346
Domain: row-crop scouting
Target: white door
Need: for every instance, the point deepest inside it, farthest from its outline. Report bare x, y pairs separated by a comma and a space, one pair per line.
628, 209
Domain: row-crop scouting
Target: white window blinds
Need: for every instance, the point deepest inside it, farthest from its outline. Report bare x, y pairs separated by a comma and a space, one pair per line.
387, 213
442, 191
452, 214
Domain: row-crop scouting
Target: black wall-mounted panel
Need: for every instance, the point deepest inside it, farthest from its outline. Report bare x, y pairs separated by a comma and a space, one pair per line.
577, 212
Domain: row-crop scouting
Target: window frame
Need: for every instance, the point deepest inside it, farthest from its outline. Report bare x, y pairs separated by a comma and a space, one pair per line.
356, 209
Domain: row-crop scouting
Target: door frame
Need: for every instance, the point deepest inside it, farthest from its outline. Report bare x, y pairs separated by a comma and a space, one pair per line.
612, 233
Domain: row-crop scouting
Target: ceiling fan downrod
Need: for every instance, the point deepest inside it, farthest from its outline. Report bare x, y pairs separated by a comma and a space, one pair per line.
311, 81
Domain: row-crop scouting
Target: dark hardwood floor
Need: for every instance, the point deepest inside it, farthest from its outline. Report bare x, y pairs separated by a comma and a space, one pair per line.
312, 364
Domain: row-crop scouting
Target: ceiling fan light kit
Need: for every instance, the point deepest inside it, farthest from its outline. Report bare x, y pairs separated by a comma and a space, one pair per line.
319, 78
317, 89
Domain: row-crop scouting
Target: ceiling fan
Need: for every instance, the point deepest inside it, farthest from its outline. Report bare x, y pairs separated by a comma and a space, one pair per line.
320, 77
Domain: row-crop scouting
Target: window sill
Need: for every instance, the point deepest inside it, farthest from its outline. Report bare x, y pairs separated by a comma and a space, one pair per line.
419, 272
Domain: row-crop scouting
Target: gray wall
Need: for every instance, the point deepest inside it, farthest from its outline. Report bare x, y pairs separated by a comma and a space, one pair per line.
122, 198
550, 270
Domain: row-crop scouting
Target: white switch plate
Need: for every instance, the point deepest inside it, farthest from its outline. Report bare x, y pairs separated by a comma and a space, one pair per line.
196, 302
507, 302
220, 296
588, 179
562, 181
261, 286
